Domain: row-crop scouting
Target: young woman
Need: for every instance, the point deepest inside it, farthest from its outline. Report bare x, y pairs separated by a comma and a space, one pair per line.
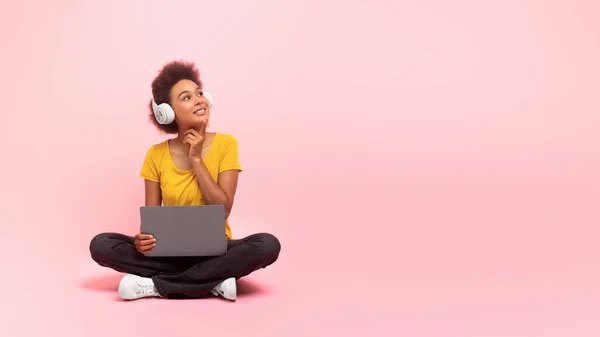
194, 168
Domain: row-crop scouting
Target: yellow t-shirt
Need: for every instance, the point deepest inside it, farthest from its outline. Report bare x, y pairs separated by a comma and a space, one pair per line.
180, 187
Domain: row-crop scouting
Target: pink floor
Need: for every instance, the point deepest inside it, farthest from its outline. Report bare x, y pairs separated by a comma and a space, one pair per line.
384, 291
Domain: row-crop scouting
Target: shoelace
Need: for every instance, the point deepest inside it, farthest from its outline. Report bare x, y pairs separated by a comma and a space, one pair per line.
217, 290
146, 287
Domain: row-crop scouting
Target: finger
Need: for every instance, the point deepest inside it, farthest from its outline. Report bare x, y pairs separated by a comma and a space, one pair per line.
141, 242
192, 138
142, 236
145, 249
191, 132
145, 242
203, 127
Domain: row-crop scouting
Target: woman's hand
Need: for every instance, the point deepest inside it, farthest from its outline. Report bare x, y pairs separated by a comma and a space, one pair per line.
144, 243
195, 139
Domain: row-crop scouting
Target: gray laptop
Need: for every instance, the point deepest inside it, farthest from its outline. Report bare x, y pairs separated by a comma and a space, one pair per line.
185, 230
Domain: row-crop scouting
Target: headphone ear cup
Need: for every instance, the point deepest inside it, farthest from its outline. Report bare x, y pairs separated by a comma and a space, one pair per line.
209, 98
167, 112
163, 113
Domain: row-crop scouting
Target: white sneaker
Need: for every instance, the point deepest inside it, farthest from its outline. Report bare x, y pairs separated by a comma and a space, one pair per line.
133, 287
227, 289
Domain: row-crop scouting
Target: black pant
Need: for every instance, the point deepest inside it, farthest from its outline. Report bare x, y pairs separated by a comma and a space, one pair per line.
186, 276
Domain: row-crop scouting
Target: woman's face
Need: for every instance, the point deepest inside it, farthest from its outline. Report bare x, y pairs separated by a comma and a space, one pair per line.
190, 105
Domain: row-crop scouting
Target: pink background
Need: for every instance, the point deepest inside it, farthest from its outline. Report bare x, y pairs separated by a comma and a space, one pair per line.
431, 168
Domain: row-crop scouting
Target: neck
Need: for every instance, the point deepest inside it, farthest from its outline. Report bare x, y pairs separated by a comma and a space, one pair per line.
179, 138
181, 134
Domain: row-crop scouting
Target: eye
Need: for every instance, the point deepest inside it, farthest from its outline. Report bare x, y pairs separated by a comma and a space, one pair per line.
200, 93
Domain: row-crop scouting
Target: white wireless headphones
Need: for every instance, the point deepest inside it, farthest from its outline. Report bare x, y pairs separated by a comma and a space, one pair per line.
165, 114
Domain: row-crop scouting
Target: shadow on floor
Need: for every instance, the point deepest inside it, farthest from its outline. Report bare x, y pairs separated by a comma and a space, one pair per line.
110, 283
246, 287
107, 283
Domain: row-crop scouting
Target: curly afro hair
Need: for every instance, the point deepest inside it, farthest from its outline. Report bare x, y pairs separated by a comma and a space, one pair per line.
168, 76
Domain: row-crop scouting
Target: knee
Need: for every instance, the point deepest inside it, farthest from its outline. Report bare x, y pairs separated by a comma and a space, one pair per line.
99, 247
270, 246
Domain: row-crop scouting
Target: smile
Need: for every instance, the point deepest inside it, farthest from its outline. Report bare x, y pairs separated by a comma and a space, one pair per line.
200, 112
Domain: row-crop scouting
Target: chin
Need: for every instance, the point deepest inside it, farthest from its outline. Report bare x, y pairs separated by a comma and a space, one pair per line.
197, 121
198, 118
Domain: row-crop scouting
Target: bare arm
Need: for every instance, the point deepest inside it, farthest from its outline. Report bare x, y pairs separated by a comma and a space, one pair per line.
219, 193
152, 192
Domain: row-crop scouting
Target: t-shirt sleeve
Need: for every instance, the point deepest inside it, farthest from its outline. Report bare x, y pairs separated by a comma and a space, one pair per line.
149, 168
230, 159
